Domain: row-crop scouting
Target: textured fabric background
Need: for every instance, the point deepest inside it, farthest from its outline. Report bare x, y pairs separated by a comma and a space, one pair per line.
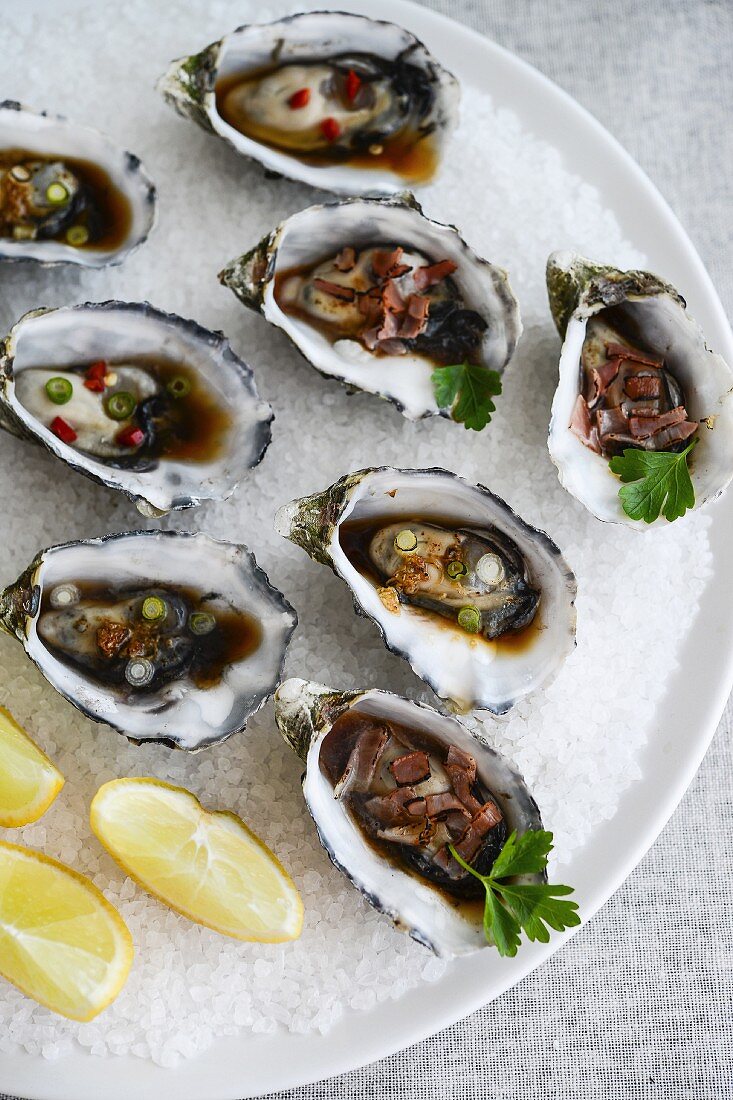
639, 1004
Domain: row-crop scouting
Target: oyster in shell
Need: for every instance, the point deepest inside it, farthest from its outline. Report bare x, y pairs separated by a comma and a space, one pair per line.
635, 372
122, 627
67, 194
337, 100
389, 783
376, 295
479, 603
137, 399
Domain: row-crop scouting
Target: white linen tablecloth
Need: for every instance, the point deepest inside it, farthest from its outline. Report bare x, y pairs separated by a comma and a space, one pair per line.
638, 1004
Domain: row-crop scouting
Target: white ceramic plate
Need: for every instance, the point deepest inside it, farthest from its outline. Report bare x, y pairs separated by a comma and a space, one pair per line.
687, 717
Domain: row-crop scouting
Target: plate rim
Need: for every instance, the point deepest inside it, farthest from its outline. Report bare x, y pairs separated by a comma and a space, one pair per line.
403, 1022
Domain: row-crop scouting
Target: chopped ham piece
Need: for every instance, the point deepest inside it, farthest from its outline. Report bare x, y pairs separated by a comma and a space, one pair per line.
362, 763
481, 825
456, 822
391, 298
412, 768
461, 769
415, 320
414, 836
678, 433
642, 427
610, 421
346, 259
603, 376
384, 264
436, 804
638, 386
394, 808
344, 293
445, 861
582, 426
622, 352
433, 273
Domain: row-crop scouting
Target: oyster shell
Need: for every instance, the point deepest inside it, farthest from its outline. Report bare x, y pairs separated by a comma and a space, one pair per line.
194, 447
396, 877
486, 656
66, 180
337, 100
470, 313
122, 628
675, 387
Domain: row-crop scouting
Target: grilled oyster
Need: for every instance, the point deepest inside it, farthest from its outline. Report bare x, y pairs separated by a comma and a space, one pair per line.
635, 372
376, 295
334, 99
479, 603
67, 194
389, 783
137, 399
123, 629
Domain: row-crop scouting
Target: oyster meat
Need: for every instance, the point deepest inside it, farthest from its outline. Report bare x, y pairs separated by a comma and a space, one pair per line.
389, 784
635, 372
376, 295
337, 100
67, 195
140, 400
123, 629
480, 603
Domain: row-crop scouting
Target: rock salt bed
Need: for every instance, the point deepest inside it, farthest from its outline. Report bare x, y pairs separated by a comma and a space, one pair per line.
577, 744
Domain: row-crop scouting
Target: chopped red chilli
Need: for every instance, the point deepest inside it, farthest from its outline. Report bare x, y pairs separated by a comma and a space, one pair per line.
299, 99
330, 129
130, 437
353, 83
63, 430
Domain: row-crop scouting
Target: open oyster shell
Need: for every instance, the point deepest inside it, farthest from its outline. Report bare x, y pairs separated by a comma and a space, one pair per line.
305, 713
189, 86
323, 230
51, 135
461, 668
177, 712
60, 338
579, 290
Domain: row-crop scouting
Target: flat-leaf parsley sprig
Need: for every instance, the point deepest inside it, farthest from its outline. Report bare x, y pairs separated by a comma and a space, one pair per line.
656, 482
467, 390
532, 908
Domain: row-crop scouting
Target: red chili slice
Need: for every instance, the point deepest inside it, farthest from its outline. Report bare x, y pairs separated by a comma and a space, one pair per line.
330, 129
96, 385
298, 99
63, 430
353, 83
95, 376
130, 437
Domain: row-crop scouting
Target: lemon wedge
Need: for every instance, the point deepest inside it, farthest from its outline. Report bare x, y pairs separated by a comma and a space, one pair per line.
61, 942
28, 780
205, 864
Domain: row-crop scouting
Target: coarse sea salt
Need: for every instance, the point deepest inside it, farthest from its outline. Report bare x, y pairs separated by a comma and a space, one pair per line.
576, 744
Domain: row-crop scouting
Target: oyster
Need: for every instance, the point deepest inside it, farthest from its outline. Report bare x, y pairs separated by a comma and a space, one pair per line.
122, 627
479, 603
389, 783
67, 194
376, 295
635, 372
137, 399
334, 99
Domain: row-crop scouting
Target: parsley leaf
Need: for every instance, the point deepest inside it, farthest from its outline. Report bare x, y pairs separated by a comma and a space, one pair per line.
467, 390
658, 481
532, 908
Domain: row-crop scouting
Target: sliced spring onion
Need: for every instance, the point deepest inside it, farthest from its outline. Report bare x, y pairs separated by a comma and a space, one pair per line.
201, 622
57, 194
406, 541
139, 671
59, 390
20, 173
154, 609
456, 569
179, 387
24, 232
64, 595
489, 569
469, 618
77, 235
120, 405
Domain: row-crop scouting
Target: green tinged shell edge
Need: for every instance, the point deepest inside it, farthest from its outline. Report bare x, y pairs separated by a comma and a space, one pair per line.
313, 708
